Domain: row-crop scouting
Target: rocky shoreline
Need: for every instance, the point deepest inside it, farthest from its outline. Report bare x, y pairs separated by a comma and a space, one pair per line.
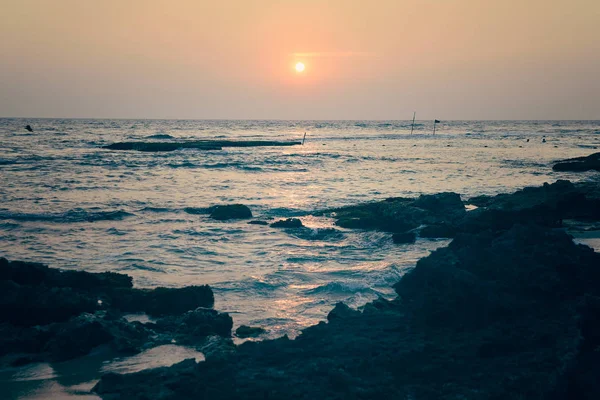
510, 309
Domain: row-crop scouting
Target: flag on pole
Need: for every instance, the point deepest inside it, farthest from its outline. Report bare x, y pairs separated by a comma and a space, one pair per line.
437, 121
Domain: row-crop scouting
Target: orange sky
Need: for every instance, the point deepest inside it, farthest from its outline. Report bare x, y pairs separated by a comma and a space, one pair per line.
380, 59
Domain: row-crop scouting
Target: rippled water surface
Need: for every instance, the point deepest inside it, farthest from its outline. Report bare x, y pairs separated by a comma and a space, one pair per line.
69, 203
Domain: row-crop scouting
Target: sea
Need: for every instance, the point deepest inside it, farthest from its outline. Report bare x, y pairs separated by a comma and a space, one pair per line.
68, 203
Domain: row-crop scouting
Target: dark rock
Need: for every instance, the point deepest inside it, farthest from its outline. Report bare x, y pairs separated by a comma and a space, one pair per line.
49, 314
230, 211
438, 231
258, 222
399, 215
244, 331
579, 164
29, 128
404, 237
191, 325
342, 311
287, 223
163, 301
198, 145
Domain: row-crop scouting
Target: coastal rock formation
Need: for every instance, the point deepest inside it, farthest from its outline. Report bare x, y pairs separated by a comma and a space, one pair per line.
229, 211
404, 238
506, 314
245, 331
287, 223
398, 215
198, 145
54, 315
579, 164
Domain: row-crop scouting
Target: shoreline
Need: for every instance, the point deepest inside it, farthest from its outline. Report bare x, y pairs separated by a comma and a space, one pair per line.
543, 209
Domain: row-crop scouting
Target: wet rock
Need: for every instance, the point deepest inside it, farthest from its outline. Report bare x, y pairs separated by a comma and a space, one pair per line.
49, 314
404, 237
198, 145
438, 231
163, 301
245, 331
192, 325
342, 311
399, 215
29, 128
230, 211
287, 223
579, 164
258, 222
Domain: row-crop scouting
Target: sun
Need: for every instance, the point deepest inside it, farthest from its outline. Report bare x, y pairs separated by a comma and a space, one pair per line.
299, 67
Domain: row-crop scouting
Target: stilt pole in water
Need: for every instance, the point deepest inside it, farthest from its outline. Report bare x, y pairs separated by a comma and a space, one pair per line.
413, 124
303, 138
435, 121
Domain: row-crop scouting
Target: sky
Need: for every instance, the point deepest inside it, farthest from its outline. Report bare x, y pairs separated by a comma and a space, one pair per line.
234, 59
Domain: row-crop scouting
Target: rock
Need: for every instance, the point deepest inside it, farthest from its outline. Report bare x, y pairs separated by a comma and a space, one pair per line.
399, 215
438, 231
192, 325
404, 238
198, 145
51, 315
287, 223
258, 222
342, 311
29, 128
163, 301
244, 331
230, 211
579, 164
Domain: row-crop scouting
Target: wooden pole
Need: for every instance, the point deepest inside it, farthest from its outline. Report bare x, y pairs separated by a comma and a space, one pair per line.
434, 122
303, 138
413, 124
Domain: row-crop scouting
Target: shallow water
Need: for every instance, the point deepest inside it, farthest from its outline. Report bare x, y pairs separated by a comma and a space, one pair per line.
70, 204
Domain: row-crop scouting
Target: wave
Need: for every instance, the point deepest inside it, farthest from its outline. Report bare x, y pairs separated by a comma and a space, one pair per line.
341, 288
324, 234
71, 216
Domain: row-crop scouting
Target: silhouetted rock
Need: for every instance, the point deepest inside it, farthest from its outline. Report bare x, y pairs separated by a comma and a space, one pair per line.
49, 314
399, 214
258, 222
245, 331
438, 231
287, 223
404, 237
163, 301
230, 211
29, 128
194, 324
342, 311
198, 145
579, 164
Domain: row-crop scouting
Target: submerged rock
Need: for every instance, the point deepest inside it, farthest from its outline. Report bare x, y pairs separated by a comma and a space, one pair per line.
229, 211
258, 222
198, 145
404, 237
244, 331
287, 223
579, 164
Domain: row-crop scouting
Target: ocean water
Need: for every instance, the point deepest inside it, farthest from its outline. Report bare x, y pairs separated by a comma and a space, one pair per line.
66, 202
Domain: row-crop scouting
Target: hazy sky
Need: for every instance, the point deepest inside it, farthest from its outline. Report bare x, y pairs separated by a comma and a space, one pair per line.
378, 59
